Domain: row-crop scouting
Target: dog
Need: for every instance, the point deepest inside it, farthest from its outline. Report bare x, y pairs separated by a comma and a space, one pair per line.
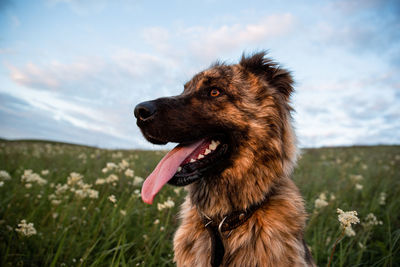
236, 152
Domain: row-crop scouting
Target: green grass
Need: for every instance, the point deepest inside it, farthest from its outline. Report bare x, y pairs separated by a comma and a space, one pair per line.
95, 232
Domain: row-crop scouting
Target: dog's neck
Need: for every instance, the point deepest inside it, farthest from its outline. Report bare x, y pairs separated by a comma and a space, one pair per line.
250, 177
218, 196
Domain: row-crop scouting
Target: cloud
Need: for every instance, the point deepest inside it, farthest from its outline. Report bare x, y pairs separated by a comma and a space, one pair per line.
54, 75
361, 26
140, 65
354, 7
99, 76
211, 42
95, 95
40, 109
157, 37
15, 21
360, 110
204, 44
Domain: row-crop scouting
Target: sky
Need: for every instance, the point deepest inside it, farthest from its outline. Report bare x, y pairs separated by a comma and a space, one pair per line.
73, 70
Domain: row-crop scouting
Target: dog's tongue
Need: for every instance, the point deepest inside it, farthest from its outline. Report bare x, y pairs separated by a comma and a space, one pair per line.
165, 170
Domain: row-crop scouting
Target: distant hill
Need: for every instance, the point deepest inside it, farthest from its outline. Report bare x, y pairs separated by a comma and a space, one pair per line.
40, 141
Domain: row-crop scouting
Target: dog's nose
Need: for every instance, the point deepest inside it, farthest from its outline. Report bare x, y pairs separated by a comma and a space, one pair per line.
145, 110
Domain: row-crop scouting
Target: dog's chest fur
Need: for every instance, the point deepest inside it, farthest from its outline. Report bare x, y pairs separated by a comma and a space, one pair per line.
272, 236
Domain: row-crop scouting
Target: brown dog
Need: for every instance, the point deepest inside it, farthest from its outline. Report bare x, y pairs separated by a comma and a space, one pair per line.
236, 154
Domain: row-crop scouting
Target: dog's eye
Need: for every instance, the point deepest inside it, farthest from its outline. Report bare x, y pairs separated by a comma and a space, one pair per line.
214, 92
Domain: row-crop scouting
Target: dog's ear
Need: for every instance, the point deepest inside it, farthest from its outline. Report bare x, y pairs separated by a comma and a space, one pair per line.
259, 64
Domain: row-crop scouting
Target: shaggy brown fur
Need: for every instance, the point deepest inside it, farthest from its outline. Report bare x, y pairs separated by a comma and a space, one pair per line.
253, 112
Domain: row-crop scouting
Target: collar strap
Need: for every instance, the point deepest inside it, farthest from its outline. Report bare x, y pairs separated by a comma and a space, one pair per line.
229, 222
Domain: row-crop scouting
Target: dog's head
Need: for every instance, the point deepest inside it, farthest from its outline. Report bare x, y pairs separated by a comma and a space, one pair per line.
225, 113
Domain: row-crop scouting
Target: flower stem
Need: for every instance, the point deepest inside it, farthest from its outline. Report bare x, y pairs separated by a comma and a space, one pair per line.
334, 246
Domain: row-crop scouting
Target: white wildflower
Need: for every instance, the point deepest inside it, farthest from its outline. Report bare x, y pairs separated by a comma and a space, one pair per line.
30, 177
364, 166
346, 218
28, 185
74, 178
26, 229
45, 172
4, 175
359, 187
86, 191
160, 206
356, 177
328, 240
112, 198
111, 166
123, 164
129, 173
123, 212
112, 178
382, 198
157, 221
100, 181
136, 193
61, 189
56, 202
93, 193
178, 190
166, 205
348, 231
1, 183
162, 228
322, 196
169, 203
321, 202
371, 221
137, 181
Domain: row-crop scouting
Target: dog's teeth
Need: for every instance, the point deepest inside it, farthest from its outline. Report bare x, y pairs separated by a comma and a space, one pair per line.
179, 169
213, 145
192, 160
208, 151
200, 156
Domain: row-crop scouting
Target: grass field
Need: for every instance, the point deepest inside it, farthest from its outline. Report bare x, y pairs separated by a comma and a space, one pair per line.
85, 207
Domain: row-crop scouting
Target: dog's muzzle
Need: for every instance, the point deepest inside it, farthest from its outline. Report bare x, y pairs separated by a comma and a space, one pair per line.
145, 111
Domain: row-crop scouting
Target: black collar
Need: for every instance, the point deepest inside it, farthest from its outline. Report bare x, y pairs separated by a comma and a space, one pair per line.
216, 228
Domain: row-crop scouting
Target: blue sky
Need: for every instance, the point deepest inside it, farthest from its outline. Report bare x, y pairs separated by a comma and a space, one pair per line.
73, 70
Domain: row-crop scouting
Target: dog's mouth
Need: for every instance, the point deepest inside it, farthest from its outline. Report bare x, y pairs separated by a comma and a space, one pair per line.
185, 164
